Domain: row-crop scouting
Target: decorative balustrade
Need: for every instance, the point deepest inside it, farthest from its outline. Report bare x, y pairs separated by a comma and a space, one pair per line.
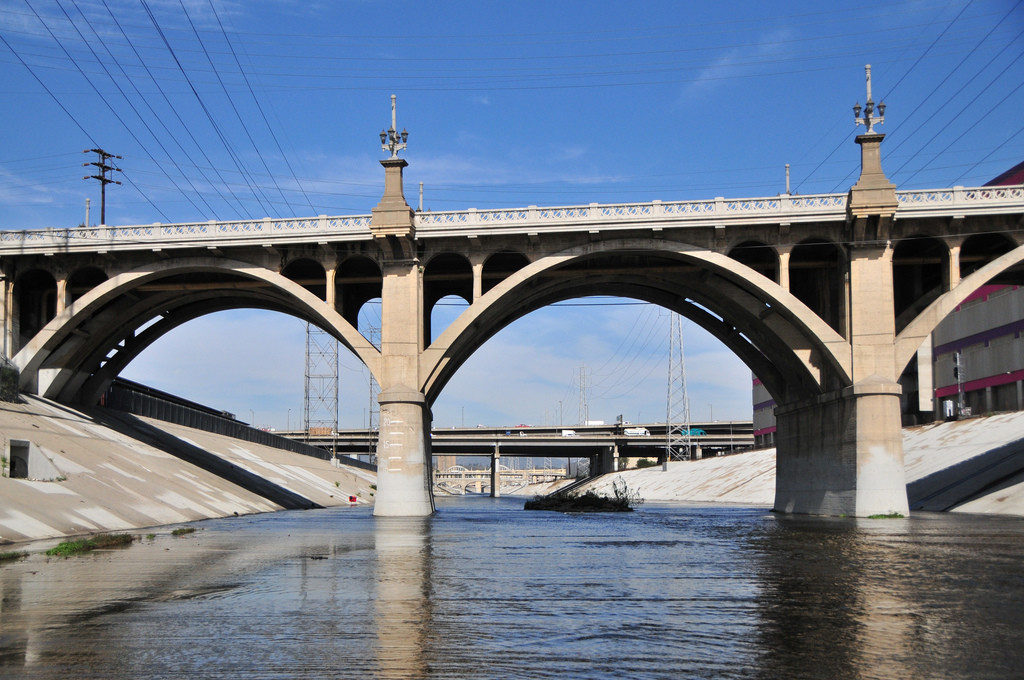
719, 211
960, 197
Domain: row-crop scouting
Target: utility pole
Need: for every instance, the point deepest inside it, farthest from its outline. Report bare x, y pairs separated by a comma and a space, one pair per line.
102, 177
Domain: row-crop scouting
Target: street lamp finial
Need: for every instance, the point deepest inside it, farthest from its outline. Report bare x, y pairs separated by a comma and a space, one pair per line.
868, 120
390, 139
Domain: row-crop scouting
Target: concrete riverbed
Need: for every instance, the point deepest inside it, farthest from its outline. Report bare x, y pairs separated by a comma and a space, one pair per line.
99, 479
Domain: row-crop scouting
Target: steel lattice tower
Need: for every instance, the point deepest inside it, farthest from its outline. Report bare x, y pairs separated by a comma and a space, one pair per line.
584, 407
677, 414
373, 407
321, 404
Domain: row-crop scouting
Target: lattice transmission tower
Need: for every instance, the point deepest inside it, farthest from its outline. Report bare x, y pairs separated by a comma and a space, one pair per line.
584, 405
677, 413
321, 393
373, 407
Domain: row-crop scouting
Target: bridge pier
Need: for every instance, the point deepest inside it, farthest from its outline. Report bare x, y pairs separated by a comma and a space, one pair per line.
842, 454
496, 471
607, 461
404, 485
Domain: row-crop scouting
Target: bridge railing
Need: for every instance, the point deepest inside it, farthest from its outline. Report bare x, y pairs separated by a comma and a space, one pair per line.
350, 227
817, 205
989, 199
717, 211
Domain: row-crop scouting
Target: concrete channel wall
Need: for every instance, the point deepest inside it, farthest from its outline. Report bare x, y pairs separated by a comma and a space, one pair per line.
105, 478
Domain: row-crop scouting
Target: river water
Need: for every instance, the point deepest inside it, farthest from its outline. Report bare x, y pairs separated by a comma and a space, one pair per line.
484, 589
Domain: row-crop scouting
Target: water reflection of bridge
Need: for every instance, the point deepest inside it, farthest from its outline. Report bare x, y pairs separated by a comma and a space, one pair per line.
459, 480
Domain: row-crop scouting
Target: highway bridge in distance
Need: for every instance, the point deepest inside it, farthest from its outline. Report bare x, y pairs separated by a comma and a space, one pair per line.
549, 441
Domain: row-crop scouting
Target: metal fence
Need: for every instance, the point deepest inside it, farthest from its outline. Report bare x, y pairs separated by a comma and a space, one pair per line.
149, 403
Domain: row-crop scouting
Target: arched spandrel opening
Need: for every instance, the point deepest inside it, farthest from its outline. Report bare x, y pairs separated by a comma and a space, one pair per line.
357, 281
35, 297
760, 257
980, 249
368, 321
815, 278
309, 274
84, 280
498, 266
446, 274
920, 269
444, 312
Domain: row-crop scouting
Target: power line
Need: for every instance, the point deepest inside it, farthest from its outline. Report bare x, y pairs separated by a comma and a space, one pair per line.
96, 90
132, 105
256, 100
199, 99
245, 174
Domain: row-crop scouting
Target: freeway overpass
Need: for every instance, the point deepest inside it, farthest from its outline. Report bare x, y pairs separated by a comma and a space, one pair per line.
571, 441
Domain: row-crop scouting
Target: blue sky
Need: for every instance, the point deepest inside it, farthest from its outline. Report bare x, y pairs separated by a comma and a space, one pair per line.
225, 110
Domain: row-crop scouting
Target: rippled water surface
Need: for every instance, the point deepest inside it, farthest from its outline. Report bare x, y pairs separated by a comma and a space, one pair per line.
486, 590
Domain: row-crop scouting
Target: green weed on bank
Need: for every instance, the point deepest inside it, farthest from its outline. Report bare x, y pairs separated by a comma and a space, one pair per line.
83, 545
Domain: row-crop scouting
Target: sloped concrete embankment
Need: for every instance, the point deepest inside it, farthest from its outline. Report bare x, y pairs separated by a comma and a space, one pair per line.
973, 466
90, 477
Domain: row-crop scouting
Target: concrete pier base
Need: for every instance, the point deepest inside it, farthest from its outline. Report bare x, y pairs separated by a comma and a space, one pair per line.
403, 457
496, 473
842, 454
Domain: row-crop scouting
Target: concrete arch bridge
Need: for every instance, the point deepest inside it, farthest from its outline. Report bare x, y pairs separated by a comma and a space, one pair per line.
826, 298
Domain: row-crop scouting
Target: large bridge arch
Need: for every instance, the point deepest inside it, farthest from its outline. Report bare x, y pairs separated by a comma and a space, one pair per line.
795, 351
66, 357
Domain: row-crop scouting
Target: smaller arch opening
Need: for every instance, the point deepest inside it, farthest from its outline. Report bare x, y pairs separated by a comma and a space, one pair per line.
760, 257
500, 266
84, 280
309, 274
920, 274
815, 278
368, 321
980, 249
446, 274
357, 281
35, 293
444, 312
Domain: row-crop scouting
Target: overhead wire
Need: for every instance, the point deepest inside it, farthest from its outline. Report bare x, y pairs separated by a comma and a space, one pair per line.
106, 103
259, 106
973, 125
214, 185
131, 104
231, 150
904, 119
909, 69
206, 111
